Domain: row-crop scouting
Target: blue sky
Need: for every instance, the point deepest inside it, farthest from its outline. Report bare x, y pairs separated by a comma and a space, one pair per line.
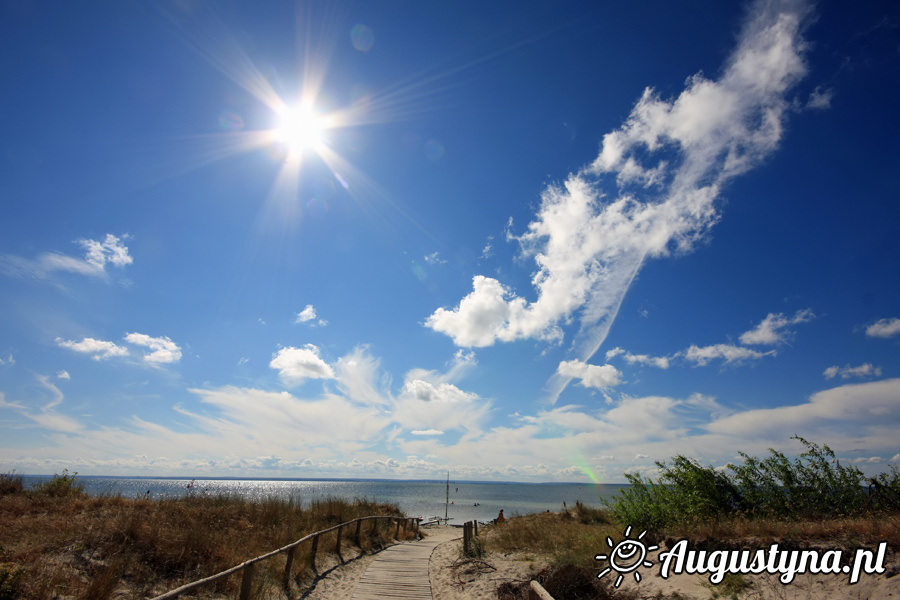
515, 241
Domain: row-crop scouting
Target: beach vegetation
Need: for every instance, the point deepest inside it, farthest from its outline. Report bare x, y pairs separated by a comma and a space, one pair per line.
815, 485
11, 483
60, 485
58, 542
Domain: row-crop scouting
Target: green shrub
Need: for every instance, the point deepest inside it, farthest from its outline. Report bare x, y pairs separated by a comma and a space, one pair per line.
814, 485
60, 486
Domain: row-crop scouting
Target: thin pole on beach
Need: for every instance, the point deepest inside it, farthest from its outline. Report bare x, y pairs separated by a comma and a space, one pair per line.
447, 503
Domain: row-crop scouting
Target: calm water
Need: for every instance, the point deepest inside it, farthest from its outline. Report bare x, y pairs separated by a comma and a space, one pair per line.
415, 498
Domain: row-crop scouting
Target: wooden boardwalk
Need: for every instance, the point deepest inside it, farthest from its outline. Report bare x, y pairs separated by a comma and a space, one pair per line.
401, 571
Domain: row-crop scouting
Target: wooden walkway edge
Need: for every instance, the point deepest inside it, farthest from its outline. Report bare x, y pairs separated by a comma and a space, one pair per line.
401, 571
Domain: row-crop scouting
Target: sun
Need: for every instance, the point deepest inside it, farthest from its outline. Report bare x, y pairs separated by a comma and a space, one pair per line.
626, 557
300, 129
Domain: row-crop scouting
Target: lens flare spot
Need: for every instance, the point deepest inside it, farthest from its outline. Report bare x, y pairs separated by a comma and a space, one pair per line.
341, 180
434, 150
316, 206
362, 37
230, 121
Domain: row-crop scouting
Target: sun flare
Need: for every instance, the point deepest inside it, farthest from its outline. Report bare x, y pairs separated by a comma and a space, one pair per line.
301, 128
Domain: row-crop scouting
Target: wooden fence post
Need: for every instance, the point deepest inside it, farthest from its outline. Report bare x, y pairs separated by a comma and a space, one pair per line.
358, 526
397, 534
312, 553
467, 531
337, 546
246, 582
475, 525
286, 580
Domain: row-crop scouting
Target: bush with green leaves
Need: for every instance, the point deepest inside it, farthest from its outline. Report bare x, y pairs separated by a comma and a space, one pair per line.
60, 485
813, 485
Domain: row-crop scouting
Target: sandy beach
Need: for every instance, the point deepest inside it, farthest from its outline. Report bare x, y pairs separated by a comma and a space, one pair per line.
453, 578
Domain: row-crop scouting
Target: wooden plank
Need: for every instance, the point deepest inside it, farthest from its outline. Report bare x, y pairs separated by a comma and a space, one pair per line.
400, 572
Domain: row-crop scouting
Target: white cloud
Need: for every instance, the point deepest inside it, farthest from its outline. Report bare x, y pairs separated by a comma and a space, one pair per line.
111, 250
424, 405
846, 372
870, 404
774, 328
99, 349
594, 376
820, 98
63, 375
427, 432
435, 259
669, 162
164, 350
702, 356
660, 362
9, 360
359, 378
307, 314
482, 317
47, 418
297, 364
884, 328
488, 250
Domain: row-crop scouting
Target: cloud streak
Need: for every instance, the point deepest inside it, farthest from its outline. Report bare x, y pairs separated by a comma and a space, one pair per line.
667, 164
98, 254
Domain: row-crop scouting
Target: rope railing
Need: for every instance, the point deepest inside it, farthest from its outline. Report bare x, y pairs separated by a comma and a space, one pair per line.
247, 565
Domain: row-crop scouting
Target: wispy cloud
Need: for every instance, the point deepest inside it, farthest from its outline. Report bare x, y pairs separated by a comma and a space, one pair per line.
774, 330
884, 328
46, 417
97, 349
435, 259
660, 362
98, 254
729, 353
164, 350
668, 164
846, 372
866, 404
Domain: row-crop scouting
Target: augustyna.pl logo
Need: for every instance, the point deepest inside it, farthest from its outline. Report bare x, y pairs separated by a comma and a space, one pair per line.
629, 555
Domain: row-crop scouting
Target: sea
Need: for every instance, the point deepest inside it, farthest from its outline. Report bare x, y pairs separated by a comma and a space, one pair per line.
463, 501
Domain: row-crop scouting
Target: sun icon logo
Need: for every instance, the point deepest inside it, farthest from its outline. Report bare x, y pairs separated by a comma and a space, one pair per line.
626, 556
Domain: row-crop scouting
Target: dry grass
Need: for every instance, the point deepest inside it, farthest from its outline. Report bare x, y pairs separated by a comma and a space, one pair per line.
562, 537
573, 539
847, 532
81, 547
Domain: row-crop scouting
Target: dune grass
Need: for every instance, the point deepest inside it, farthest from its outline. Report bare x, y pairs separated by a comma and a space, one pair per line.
57, 542
812, 500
